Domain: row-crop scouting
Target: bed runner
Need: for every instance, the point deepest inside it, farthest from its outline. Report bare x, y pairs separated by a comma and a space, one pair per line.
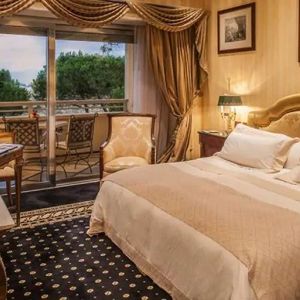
264, 237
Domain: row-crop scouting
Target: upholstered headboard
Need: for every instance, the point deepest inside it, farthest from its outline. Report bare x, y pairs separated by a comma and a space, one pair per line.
282, 117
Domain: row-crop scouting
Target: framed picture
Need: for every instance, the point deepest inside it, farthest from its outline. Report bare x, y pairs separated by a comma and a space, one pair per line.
236, 29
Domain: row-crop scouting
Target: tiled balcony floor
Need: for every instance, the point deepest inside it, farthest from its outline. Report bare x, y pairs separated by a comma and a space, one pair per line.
31, 173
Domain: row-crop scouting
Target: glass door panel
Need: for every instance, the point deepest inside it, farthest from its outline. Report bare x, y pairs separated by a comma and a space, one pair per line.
90, 79
23, 105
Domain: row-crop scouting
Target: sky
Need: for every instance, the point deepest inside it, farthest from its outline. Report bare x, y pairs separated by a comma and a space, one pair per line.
25, 55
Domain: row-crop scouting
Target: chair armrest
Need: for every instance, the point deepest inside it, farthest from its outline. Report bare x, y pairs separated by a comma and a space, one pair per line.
58, 133
153, 151
43, 138
102, 157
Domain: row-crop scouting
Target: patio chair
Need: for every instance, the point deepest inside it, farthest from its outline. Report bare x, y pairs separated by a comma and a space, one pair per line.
7, 172
27, 133
130, 143
78, 145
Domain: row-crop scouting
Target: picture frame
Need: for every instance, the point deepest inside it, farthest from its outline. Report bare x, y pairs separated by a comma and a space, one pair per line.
236, 29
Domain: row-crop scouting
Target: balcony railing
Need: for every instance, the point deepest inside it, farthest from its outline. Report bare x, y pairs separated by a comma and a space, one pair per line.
63, 107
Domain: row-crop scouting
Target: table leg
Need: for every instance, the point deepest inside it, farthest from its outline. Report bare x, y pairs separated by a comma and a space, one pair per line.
18, 183
2, 281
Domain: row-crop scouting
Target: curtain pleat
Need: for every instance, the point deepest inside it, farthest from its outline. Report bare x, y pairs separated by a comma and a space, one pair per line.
167, 18
10, 7
201, 44
146, 96
173, 57
87, 13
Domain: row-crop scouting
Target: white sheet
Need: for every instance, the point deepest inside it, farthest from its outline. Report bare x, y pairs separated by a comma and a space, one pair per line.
207, 270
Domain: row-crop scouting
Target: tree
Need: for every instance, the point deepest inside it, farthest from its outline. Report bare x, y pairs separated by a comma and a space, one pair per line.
84, 76
11, 90
39, 85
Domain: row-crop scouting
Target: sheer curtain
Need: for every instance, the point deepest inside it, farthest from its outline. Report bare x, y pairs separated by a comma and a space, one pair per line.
146, 96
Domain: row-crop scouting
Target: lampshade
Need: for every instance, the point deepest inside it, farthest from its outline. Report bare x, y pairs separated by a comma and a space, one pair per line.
229, 100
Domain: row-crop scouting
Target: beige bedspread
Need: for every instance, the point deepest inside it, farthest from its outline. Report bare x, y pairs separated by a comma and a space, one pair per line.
264, 237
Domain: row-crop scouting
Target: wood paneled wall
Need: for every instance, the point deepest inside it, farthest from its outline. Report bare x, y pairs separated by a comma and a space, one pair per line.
261, 76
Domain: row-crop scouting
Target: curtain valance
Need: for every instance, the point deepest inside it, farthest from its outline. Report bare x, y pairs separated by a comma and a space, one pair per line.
9, 7
96, 13
92, 13
171, 19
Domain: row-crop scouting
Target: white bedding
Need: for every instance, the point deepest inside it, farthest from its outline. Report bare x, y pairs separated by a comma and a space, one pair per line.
196, 266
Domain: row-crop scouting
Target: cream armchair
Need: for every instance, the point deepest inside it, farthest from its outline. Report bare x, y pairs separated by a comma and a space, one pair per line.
130, 143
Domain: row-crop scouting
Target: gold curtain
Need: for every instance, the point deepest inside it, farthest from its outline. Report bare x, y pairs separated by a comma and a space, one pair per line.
92, 13
166, 17
176, 42
9, 7
174, 60
83, 13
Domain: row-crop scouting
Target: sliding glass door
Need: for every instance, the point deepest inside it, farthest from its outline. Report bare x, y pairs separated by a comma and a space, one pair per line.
64, 80
90, 82
23, 110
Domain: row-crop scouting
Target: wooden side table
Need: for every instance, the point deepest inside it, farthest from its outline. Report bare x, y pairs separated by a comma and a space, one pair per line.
15, 154
211, 142
3, 284
6, 222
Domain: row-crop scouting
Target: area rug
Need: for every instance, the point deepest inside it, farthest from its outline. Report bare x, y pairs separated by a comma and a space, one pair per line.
57, 260
55, 214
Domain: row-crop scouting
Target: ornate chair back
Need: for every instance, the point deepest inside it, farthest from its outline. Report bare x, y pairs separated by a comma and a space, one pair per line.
132, 135
26, 132
80, 132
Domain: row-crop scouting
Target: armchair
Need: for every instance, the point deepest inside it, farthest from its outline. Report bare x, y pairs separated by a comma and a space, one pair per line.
130, 143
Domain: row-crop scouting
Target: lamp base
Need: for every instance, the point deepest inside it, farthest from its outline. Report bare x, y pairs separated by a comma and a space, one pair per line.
229, 118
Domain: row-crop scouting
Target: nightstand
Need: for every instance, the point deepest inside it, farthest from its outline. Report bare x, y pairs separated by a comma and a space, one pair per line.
211, 142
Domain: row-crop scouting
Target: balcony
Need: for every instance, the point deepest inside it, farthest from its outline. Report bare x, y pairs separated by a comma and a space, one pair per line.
64, 109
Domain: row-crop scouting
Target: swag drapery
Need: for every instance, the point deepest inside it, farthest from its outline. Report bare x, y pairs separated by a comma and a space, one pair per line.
176, 45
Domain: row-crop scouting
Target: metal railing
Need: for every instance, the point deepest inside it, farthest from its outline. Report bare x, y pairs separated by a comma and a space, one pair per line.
63, 107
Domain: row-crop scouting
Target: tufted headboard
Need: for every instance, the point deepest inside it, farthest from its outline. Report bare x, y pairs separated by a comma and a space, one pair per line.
282, 117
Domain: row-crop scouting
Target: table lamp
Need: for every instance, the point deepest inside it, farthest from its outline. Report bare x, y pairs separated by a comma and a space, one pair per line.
229, 115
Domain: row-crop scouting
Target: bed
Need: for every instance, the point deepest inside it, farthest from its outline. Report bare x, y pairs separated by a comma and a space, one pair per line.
210, 228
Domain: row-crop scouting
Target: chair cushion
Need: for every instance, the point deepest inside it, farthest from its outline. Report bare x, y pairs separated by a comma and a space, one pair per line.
125, 162
6, 173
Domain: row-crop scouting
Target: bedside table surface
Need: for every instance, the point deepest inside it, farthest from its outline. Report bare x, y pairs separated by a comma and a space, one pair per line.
214, 133
211, 142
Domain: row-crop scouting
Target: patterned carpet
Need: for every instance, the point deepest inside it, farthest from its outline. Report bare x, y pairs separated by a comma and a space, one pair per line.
57, 260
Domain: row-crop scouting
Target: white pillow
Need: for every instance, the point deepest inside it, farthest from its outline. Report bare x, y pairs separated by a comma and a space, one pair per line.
253, 131
293, 157
256, 148
292, 176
